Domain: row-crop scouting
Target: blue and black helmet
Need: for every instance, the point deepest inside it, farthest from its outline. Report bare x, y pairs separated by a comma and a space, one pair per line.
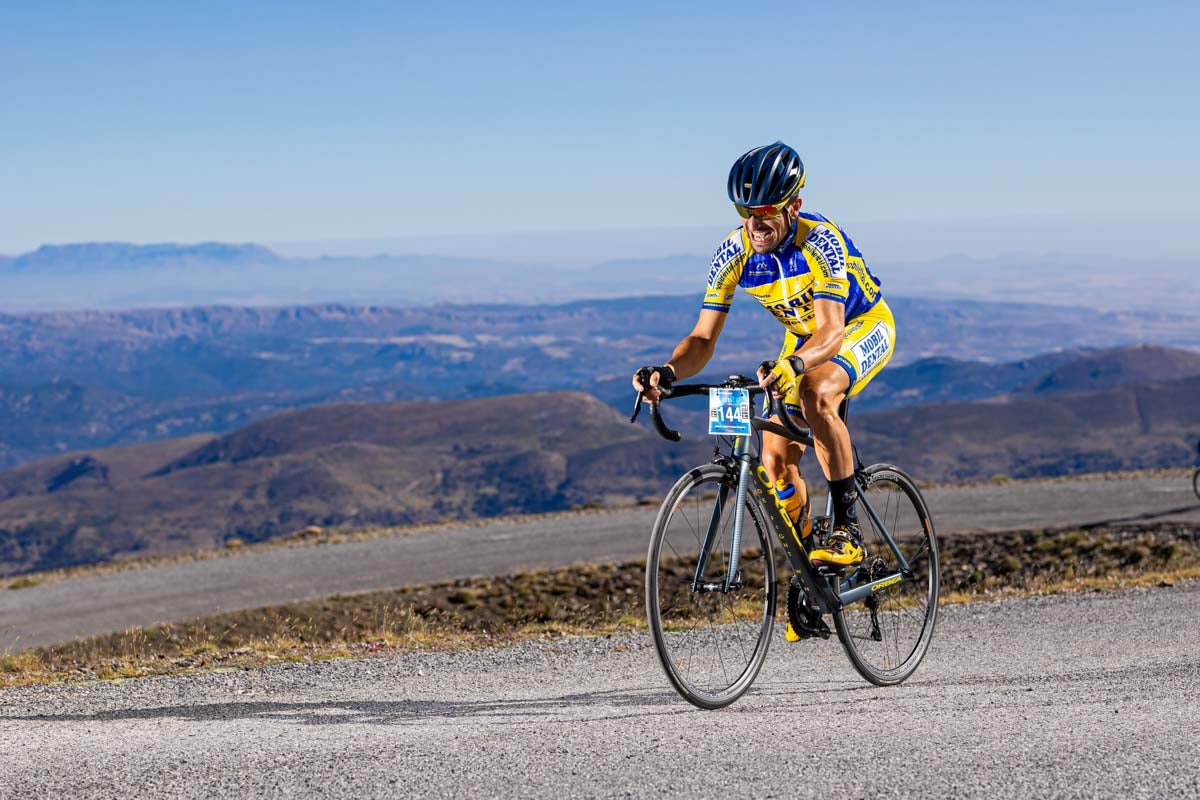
766, 176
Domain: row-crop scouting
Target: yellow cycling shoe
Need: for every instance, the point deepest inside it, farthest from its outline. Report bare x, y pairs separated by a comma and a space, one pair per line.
843, 549
791, 635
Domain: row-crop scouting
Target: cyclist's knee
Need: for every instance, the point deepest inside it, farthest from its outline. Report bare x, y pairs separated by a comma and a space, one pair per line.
775, 459
779, 456
821, 398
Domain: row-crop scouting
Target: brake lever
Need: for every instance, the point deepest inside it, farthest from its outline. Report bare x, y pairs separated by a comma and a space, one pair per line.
765, 368
637, 407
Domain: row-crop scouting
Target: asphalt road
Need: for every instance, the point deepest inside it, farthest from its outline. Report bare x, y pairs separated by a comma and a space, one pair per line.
1090, 696
69, 609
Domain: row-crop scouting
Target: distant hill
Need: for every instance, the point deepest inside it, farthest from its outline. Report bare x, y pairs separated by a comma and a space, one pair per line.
379, 464
117, 275
100, 257
944, 380
107, 378
1142, 364
341, 464
1133, 426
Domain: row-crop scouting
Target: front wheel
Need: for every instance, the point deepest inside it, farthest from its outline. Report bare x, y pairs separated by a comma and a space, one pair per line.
1196, 483
711, 642
887, 633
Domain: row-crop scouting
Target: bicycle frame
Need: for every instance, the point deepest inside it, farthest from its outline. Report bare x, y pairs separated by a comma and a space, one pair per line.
817, 586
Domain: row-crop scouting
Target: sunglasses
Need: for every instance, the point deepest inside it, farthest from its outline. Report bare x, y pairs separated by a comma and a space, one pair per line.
762, 212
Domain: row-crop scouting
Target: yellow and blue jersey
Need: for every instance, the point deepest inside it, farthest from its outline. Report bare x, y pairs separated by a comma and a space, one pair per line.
817, 262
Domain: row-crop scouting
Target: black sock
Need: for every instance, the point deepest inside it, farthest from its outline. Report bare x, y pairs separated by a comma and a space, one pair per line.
845, 498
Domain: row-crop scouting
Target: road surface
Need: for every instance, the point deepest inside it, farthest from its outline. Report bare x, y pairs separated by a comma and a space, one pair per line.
1089, 696
86, 605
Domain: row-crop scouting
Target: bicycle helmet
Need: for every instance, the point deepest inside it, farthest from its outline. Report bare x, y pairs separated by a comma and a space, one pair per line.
766, 176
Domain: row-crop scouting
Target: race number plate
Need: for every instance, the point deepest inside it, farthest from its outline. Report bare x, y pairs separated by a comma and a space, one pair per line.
729, 412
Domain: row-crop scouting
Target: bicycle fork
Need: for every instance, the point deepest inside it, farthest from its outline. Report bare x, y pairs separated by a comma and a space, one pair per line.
741, 453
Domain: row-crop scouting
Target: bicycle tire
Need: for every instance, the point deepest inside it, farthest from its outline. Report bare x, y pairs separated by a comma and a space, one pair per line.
1196, 483
888, 634
711, 644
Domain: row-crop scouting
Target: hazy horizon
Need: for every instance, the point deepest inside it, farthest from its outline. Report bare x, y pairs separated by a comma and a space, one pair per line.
1127, 237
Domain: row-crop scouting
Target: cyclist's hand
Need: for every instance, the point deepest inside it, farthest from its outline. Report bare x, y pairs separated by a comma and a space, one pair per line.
653, 382
783, 375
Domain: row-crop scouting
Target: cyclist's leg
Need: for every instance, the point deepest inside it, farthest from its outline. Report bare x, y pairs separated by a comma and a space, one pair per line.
821, 393
781, 458
867, 344
780, 455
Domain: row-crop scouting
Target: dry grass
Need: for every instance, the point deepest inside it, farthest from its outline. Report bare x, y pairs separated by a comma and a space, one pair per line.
133, 653
1107, 583
24, 582
581, 600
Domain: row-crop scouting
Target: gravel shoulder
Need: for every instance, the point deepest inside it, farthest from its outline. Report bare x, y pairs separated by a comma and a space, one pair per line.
85, 605
1066, 696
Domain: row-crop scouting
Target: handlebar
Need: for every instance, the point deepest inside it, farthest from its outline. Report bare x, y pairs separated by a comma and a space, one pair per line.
780, 410
679, 390
788, 429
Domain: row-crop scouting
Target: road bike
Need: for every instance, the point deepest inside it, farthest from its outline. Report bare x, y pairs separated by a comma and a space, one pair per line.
711, 573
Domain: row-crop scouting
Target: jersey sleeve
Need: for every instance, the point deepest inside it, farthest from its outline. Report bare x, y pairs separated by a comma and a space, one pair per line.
725, 272
826, 254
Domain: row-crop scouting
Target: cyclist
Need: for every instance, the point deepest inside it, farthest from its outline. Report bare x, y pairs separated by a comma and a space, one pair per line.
807, 272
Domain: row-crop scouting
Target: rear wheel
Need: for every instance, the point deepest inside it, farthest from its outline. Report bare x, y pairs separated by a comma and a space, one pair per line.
711, 643
887, 634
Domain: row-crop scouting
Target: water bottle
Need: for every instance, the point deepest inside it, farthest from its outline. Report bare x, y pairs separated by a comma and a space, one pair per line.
789, 498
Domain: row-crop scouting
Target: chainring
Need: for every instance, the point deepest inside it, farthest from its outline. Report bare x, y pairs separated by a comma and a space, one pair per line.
806, 620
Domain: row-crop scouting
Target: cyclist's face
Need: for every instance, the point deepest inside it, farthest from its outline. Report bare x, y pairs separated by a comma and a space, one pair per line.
767, 234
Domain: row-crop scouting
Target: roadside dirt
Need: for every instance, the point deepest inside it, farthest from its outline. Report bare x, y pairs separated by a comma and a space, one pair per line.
583, 598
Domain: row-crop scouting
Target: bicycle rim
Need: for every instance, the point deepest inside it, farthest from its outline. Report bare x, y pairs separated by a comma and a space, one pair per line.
887, 634
711, 644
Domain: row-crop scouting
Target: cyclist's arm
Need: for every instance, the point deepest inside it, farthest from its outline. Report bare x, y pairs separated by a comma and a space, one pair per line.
830, 317
696, 349
691, 354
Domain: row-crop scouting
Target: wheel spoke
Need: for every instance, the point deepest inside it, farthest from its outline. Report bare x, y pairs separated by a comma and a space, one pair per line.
710, 643
905, 611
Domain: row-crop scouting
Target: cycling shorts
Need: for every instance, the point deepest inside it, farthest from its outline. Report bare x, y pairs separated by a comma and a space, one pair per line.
867, 345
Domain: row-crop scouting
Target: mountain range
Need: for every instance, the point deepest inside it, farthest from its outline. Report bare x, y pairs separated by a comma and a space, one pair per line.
118, 275
105, 257
945, 380
356, 464
72, 380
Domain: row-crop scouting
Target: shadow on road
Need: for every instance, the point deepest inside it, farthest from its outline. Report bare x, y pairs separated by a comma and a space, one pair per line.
620, 704
385, 712
1146, 517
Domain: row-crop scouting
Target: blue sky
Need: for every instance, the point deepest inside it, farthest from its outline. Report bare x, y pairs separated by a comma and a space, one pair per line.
303, 122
